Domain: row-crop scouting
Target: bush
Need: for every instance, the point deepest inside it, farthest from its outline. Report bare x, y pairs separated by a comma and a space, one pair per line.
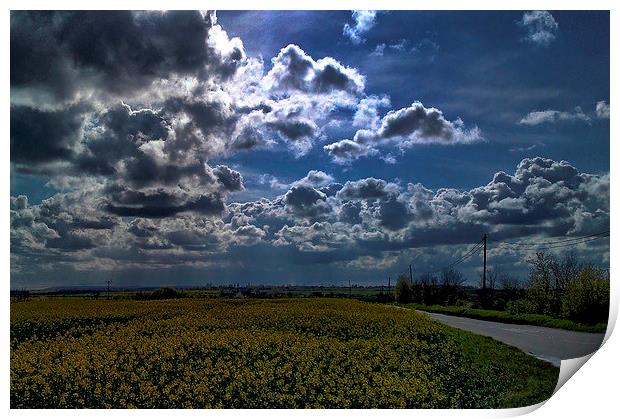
160, 294
402, 291
587, 297
522, 306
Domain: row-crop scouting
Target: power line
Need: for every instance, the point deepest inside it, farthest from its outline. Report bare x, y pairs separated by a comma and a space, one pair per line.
460, 259
552, 242
555, 245
467, 255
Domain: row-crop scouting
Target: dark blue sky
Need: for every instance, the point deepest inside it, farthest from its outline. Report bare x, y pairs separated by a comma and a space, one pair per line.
481, 71
523, 85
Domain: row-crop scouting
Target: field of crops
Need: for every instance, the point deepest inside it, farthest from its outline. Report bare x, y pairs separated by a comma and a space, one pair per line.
197, 353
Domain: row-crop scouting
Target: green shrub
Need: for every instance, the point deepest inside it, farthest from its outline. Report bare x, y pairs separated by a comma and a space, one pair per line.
522, 306
586, 299
402, 291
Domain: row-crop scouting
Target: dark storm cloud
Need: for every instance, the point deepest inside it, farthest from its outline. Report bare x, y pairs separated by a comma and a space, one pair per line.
294, 130
161, 202
393, 214
231, 179
209, 115
306, 201
39, 136
350, 212
62, 52
119, 133
71, 241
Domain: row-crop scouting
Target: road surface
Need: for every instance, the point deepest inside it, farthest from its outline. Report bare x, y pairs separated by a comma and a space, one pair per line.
549, 344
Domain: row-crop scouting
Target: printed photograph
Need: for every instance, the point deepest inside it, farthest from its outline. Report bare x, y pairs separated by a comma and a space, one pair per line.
321, 209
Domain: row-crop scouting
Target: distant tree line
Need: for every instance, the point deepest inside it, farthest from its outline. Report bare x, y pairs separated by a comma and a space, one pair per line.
560, 287
159, 294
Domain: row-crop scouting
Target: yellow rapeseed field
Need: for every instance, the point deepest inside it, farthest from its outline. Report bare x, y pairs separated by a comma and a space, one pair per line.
199, 353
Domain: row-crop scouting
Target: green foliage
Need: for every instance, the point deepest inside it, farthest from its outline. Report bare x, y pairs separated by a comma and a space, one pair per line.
297, 353
403, 291
522, 306
567, 289
587, 297
160, 294
514, 318
540, 286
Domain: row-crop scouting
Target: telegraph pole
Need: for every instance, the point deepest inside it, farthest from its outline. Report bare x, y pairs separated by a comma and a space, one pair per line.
484, 259
389, 285
410, 274
108, 282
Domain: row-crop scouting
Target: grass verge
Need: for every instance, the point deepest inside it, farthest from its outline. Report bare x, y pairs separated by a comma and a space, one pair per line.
525, 380
507, 317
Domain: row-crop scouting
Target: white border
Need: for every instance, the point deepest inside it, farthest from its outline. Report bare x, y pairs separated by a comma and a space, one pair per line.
592, 392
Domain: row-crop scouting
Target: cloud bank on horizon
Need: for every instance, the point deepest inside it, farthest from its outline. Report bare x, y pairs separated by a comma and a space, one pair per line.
141, 122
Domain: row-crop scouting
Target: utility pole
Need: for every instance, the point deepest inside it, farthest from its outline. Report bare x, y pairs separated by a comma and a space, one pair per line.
410, 274
349, 288
108, 282
484, 259
389, 285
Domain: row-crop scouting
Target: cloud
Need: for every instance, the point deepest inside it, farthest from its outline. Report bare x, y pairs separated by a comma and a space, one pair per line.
405, 127
293, 69
60, 128
602, 110
345, 151
425, 49
306, 201
136, 131
552, 116
315, 179
364, 21
417, 124
524, 148
364, 219
61, 54
369, 188
367, 112
379, 50
540, 26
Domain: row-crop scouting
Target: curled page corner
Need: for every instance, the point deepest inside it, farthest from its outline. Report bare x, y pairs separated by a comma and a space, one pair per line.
519, 411
568, 368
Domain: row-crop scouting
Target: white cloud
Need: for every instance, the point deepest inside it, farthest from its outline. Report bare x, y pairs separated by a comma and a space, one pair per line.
540, 26
552, 116
379, 50
602, 110
405, 128
364, 21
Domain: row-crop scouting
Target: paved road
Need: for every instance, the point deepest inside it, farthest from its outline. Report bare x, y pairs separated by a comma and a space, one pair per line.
549, 344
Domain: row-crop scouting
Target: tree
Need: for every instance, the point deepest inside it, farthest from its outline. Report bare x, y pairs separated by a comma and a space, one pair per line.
402, 291
429, 282
487, 295
451, 283
540, 287
586, 298
565, 271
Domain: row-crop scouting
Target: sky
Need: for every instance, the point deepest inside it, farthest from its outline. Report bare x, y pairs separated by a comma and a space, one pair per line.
308, 148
